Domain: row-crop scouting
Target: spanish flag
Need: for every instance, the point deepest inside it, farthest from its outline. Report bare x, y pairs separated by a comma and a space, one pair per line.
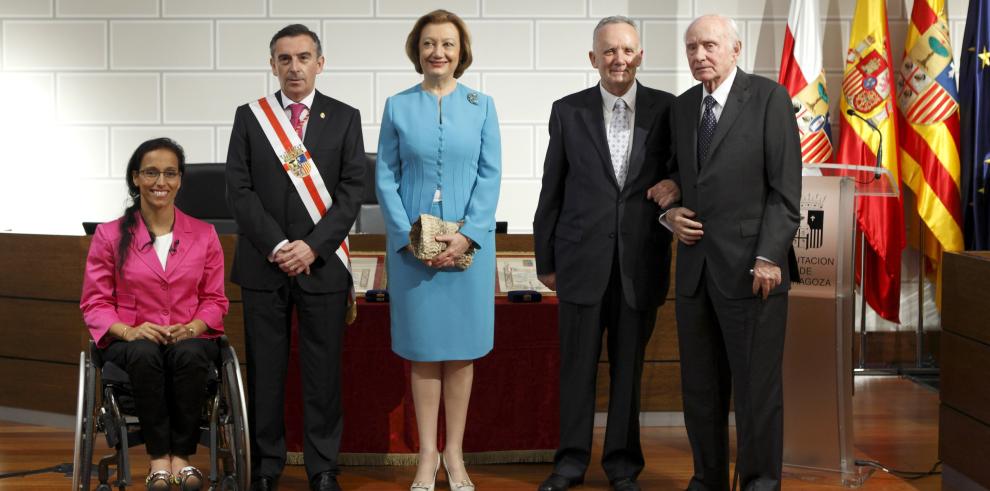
929, 122
868, 89
802, 74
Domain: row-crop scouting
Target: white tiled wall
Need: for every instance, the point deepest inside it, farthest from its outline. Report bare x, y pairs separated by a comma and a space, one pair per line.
55, 45
244, 44
25, 8
108, 98
83, 81
214, 8
106, 8
321, 8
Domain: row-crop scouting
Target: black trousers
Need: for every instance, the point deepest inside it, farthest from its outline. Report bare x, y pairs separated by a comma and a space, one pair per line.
267, 322
581, 329
168, 383
732, 345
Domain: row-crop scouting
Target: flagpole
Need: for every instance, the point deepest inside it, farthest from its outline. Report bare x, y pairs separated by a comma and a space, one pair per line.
919, 344
862, 298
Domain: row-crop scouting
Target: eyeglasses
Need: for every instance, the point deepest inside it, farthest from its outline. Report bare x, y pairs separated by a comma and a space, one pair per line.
151, 175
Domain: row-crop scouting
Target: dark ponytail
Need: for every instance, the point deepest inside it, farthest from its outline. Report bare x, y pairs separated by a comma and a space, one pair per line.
127, 225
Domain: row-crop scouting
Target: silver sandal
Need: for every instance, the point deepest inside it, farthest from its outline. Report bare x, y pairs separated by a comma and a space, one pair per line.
187, 472
155, 479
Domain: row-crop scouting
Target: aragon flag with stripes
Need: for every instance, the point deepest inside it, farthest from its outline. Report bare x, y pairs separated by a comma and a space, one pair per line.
801, 73
928, 113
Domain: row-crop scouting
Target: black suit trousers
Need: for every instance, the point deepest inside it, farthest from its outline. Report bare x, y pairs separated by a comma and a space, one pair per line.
169, 387
267, 323
581, 329
732, 345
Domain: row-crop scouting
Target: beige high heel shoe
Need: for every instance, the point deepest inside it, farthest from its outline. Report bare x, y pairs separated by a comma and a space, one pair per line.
465, 485
427, 486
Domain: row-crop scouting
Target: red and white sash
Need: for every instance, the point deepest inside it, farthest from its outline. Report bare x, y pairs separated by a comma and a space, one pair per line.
302, 171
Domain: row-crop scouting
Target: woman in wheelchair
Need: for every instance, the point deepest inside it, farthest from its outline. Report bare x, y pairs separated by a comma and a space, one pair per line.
153, 300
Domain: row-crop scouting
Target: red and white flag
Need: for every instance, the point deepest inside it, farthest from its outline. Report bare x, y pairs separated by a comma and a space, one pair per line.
802, 74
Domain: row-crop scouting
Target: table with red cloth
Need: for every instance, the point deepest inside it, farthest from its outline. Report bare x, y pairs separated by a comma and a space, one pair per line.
514, 411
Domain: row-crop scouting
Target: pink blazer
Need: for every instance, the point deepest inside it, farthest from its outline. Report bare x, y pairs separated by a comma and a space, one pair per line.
190, 287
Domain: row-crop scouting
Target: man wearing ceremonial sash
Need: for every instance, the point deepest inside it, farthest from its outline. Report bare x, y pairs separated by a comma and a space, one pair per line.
295, 168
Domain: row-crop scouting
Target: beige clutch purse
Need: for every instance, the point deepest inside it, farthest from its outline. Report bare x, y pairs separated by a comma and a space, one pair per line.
425, 246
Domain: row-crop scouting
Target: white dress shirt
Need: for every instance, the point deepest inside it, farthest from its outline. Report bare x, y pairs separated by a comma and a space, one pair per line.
721, 95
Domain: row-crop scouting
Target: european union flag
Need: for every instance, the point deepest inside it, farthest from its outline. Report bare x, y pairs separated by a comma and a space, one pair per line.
974, 88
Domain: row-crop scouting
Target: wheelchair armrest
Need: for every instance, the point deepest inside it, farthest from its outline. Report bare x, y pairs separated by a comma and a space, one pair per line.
95, 354
227, 352
111, 373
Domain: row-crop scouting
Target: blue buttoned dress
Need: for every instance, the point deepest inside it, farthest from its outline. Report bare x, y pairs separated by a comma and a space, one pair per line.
445, 160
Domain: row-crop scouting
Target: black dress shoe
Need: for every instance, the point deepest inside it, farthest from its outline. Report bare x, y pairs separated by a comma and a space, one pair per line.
625, 484
262, 483
324, 481
556, 482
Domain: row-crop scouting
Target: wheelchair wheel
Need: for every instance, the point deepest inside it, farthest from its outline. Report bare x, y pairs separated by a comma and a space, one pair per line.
234, 425
82, 455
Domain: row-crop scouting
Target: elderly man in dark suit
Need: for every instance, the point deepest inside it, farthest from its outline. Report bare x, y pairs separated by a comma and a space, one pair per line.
598, 243
738, 157
289, 254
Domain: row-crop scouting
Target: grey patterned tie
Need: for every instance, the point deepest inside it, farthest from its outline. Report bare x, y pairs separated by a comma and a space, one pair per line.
618, 140
707, 129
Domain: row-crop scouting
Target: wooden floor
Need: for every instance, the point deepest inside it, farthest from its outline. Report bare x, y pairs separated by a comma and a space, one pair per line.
896, 424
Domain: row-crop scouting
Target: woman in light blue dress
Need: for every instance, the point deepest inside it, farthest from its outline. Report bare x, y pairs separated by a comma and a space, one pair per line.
439, 153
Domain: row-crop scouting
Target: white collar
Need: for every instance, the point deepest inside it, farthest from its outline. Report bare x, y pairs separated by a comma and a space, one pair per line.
721, 93
608, 99
306, 101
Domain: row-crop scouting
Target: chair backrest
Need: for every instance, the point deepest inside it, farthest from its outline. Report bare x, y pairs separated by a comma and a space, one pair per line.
369, 197
369, 219
203, 195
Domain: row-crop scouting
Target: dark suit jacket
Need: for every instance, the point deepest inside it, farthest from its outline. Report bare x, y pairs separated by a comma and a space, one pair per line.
268, 209
747, 193
582, 215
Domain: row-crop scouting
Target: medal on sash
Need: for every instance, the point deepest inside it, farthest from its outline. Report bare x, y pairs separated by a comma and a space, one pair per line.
305, 177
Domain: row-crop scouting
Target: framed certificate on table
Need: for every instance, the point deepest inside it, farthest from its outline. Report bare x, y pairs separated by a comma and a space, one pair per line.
517, 272
368, 272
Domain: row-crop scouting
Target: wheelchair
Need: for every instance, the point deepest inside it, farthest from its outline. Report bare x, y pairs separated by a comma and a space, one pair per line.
223, 423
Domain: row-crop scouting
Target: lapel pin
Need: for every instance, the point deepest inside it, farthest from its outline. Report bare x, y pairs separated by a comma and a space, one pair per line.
323, 115
473, 98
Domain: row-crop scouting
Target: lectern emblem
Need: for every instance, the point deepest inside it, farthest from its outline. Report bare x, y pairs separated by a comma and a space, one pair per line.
816, 231
811, 229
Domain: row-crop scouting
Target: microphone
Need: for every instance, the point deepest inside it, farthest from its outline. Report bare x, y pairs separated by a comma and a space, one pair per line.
879, 163
174, 248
